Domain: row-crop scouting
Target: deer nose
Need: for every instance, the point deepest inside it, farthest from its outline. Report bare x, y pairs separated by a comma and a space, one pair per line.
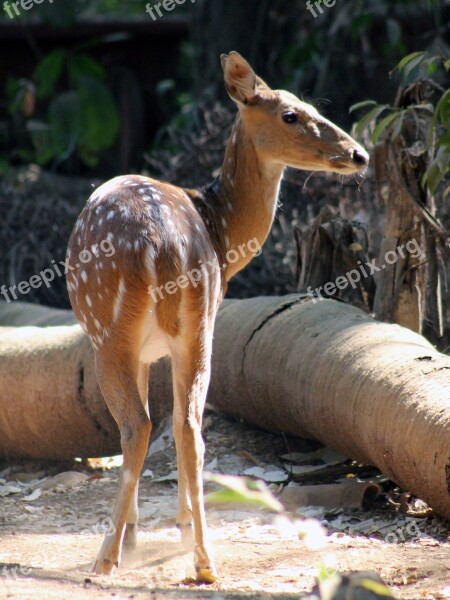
360, 157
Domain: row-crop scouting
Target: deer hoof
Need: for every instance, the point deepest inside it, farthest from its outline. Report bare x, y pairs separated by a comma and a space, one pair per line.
104, 566
206, 574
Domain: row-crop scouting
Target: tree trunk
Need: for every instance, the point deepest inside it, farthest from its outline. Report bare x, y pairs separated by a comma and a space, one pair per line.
378, 393
409, 290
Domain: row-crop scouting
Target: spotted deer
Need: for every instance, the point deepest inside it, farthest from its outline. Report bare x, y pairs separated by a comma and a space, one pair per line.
161, 233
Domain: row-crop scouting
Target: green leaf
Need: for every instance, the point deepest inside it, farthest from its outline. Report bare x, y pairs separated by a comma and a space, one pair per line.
41, 139
407, 59
372, 115
412, 64
427, 107
100, 117
443, 107
434, 176
447, 65
362, 105
382, 126
442, 158
432, 68
379, 589
48, 72
398, 126
65, 122
242, 490
82, 65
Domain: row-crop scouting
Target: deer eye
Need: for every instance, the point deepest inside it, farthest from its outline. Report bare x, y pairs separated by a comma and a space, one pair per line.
290, 117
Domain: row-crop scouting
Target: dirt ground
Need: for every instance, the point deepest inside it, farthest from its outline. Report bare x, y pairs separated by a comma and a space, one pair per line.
51, 529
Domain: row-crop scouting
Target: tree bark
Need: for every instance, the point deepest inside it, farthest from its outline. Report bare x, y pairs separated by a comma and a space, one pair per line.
377, 392
410, 291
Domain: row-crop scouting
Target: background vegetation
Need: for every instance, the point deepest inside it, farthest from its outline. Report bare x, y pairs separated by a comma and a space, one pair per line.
98, 88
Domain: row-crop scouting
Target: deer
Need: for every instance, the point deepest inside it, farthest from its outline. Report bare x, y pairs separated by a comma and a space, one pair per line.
161, 233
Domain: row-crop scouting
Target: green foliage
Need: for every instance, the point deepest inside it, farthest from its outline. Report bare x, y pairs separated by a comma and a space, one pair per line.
243, 491
81, 120
352, 33
435, 118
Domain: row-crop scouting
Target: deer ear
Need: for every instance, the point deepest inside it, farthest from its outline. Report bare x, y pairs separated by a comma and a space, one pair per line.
240, 80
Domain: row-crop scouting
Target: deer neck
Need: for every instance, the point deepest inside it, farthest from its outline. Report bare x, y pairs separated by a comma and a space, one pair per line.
244, 199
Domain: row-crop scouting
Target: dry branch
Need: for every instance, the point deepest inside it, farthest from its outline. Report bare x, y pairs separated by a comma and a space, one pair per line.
377, 392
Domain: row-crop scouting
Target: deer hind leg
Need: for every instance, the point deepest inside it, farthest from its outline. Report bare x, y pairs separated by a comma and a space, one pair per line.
191, 359
118, 382
130, 537
184, 508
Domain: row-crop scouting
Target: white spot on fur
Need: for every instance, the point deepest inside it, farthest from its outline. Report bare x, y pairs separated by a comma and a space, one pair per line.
88, 300
111, 215
84, 276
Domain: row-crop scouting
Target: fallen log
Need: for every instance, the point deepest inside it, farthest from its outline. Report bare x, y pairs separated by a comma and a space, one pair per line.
51, 406
50, 402
377, 392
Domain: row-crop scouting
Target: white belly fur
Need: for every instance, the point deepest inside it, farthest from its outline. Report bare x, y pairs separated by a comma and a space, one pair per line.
154, 340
